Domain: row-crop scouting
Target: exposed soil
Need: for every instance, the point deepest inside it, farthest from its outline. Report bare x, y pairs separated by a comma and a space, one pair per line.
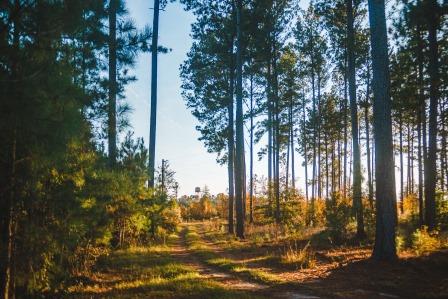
348, 272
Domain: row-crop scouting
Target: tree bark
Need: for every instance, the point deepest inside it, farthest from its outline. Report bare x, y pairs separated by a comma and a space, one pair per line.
344, 181
400, 129
293, 174
421, 126
239, 165
357, 201
431, 167
231, 143
251, 187
153, 116
305, 149
369, 170
112, 125
386, 214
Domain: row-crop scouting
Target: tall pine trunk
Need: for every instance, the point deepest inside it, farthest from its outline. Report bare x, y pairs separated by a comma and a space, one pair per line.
293, 173
345, 153
239, 159
8, 198
386, 209
251, 187
431, 167
366, 120
305, 149
313, 180
153, 117
231, 144
112, 124
400, 129
369, 170
357, 201
421, 126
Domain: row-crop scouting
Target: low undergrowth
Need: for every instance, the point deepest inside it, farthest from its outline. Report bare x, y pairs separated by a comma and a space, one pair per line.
210, 257
147, 272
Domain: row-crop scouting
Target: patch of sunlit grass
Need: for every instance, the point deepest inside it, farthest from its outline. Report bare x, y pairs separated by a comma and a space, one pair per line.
299, 257
226, 264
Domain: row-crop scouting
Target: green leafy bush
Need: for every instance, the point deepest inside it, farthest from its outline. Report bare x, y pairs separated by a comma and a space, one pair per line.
424, 242
337, 215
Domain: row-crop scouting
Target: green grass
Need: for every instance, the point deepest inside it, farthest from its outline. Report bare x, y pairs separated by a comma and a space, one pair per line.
199, 246
148, 272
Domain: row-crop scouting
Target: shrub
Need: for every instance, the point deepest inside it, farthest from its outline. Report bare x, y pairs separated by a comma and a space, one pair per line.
293, 212
410, 207
424, 242
337, 215
442, 210
400, 243
300, 258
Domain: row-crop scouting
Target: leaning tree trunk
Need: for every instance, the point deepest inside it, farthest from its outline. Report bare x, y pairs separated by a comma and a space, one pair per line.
386, 209
357, 201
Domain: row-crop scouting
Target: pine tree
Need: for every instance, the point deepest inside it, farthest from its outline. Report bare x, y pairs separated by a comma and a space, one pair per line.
386, 214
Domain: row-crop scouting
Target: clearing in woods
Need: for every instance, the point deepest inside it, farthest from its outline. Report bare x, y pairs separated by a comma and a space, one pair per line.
201, 261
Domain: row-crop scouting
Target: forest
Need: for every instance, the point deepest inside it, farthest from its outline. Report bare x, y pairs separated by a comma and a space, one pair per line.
344, 101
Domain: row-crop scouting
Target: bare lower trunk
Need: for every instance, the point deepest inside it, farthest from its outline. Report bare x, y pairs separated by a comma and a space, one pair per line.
231, 145
153, 116
251, 187
386, 214
305, 150
431, 167
401, 163
239, 165
357, 201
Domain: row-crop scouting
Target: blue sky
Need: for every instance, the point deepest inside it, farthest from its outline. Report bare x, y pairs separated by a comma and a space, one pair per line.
177, 139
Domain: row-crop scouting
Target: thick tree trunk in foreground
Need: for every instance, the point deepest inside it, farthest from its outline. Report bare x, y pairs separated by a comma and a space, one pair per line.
386, 209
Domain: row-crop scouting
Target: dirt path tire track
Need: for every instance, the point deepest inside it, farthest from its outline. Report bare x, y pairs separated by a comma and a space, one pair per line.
181, 253
234, 281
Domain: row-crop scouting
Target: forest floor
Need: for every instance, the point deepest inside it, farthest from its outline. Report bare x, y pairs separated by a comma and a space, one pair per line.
204, 262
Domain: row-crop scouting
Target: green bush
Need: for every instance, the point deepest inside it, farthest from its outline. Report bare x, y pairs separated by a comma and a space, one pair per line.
424, 242
337, 215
